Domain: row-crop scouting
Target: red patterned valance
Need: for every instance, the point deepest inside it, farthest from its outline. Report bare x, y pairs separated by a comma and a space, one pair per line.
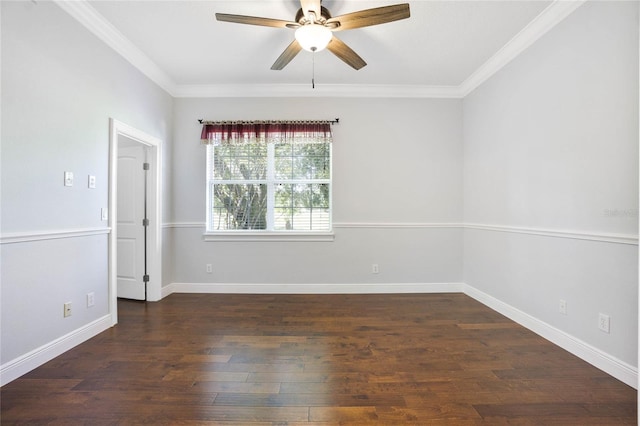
241, 132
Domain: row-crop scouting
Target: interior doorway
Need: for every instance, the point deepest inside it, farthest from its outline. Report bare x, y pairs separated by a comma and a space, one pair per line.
132, 222
135, 216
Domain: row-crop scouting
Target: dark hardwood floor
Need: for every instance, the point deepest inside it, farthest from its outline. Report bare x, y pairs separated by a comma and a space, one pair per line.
425, 359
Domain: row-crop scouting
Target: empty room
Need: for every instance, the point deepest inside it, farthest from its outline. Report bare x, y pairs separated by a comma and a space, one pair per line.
302, 212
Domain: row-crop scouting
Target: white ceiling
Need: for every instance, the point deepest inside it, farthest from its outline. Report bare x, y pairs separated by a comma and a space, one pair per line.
445, 48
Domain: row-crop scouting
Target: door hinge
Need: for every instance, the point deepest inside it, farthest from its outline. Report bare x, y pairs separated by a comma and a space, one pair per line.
145, 222
145, 278
145, 166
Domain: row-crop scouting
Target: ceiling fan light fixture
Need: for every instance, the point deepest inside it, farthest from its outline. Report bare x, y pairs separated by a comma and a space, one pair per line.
313, 37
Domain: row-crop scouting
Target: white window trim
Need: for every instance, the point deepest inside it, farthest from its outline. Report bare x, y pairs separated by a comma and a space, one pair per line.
267, 236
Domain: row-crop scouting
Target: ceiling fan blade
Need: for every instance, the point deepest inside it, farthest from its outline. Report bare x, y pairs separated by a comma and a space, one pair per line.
311, 6
285, 57
344, 52
255, 20
368, 17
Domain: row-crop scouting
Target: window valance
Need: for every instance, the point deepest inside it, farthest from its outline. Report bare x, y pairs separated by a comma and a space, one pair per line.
245, 132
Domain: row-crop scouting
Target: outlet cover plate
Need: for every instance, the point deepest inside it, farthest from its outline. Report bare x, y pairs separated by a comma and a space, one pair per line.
91, 299
68, 178
604, 323
562, 307
67, 309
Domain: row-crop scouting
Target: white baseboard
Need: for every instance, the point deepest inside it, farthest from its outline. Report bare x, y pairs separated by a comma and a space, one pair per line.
362, 288
166, 291
29, 361
619, 369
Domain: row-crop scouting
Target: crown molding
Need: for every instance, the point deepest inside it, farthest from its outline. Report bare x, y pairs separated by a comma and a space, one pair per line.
324, 90
84, 13
551, 16
97, 24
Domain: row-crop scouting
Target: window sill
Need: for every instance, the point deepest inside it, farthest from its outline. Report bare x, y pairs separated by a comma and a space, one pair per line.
255, 236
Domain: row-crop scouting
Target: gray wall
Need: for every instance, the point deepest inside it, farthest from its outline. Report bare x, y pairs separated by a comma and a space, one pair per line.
60, 86
548, 146
551, 146
397, 164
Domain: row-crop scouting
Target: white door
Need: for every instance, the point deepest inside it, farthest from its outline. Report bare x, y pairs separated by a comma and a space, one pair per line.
131, 213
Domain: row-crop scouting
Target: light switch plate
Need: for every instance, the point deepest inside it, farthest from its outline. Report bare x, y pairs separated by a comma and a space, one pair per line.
92, 182
68, 178
104, 213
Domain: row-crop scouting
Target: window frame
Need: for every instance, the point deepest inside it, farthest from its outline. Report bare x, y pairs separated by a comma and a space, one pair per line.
270, 182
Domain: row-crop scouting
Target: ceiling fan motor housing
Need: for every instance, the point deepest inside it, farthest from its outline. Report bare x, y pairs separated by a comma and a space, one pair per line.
324, 16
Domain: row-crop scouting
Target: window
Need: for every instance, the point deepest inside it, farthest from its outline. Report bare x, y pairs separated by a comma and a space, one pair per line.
269, 184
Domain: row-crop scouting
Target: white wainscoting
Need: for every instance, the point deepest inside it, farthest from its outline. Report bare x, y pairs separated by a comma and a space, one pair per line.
26, 362
611, 365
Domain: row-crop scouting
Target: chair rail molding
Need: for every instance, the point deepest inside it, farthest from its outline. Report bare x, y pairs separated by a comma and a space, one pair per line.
558, 233
55, 234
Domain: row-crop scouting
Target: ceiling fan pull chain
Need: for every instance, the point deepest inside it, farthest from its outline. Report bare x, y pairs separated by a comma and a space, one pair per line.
313, 70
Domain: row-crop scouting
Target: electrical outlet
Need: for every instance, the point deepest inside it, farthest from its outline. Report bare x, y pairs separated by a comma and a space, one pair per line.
91, 182
209, 268
67, 309
91, 299
375, 269
604, 323
562, 307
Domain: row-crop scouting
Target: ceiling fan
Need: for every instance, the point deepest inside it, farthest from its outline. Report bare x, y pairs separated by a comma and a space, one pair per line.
314, 27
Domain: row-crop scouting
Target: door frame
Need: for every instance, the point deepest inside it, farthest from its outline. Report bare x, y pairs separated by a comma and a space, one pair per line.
154, 212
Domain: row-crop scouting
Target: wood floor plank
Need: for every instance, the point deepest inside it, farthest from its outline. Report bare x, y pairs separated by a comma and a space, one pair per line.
309, 400
233, 359
237, 387
343, 415
573, 410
